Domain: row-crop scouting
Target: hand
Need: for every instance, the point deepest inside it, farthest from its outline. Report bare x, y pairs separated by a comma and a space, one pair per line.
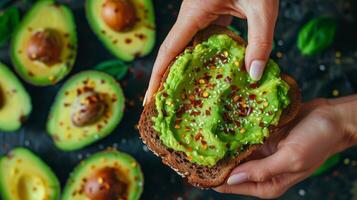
195, 15
324, 128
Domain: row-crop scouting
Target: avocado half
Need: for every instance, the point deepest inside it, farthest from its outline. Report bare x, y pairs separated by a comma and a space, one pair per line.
24, 176
125, 27
15, 102
44, 45
87, 108
107, 175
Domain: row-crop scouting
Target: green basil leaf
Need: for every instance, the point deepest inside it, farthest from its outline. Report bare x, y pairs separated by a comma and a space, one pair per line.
116, 68
9, 19
328, 164
317, 35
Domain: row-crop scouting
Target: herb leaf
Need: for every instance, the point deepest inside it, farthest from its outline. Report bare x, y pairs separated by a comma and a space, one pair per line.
116, 68
317, 35
9, 19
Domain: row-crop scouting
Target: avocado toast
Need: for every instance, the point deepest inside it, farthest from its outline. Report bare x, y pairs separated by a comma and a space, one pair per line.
208, 115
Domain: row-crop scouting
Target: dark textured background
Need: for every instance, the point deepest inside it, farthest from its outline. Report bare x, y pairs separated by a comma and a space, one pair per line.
331, 73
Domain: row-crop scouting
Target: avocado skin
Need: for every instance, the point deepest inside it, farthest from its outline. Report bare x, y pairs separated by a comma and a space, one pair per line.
26, 154
108, 158
138, 41
70, 50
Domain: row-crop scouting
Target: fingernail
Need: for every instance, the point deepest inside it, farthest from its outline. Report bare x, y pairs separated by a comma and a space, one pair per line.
237, 178
256, 69
144, 101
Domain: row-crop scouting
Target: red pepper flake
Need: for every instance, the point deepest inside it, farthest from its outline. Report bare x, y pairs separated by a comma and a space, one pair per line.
191, 97
198, 136
227, 118
261, 124
165, 94
234, 88
203, 142
252, 96
195, 113
254, 85
237, 123
208, 112
219, 76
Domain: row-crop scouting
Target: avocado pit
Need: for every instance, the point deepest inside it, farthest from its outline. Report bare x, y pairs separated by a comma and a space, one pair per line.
105, 184
119, 15
87, 109
45, 46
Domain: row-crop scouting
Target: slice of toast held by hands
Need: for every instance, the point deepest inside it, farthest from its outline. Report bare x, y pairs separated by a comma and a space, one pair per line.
199, 175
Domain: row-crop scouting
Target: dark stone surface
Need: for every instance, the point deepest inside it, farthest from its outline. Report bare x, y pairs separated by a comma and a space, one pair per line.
333, 71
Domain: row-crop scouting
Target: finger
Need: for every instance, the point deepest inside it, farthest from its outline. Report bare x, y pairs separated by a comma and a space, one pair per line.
190, 20
224, 20
261, 24
272, 188
285, 160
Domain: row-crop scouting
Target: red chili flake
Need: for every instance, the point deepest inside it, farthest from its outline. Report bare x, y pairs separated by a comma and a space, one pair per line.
198, 136
234, 88
203, 142
191, 97
254, 85
228, 79
165, 94
187, 128
208, 112
237, 123
261, 124
177, 121
252, 96
195, 113
219, 76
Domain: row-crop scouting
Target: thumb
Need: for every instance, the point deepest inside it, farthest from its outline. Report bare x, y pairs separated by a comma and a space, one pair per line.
285, 160
260, 38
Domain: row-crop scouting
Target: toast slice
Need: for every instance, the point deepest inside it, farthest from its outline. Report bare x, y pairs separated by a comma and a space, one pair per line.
198, 175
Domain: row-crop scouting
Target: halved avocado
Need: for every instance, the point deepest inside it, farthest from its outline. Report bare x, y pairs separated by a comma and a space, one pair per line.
15, 102
24, 176
87, 108
107, 175
44, 45
126, 27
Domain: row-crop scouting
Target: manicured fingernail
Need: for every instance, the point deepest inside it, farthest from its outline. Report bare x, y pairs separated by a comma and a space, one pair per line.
237, 178
144, 101
256, 69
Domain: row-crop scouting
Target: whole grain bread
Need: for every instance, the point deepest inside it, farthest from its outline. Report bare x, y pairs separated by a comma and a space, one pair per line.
198, 175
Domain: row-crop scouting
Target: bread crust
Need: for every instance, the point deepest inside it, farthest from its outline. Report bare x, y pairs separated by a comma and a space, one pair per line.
198, 175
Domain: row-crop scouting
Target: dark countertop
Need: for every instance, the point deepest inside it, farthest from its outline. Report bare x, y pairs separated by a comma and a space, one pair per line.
331, 73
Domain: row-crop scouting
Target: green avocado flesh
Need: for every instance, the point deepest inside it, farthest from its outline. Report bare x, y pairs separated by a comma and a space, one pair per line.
45, 15
210, 108
66, 135
128, 170
15, 102
24, 176
136, 42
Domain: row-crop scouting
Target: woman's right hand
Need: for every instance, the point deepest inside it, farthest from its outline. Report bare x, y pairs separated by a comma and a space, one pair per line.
324, 128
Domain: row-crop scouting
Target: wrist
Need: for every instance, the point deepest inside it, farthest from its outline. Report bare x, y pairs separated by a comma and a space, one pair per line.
346, 115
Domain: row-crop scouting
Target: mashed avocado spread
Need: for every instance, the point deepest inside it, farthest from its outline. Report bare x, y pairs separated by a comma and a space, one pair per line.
210, 108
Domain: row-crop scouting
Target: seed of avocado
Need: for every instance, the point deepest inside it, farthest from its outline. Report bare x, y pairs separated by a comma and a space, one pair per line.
87, 108
39, 52
126, 27
107, 175
15, 102
24, 176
